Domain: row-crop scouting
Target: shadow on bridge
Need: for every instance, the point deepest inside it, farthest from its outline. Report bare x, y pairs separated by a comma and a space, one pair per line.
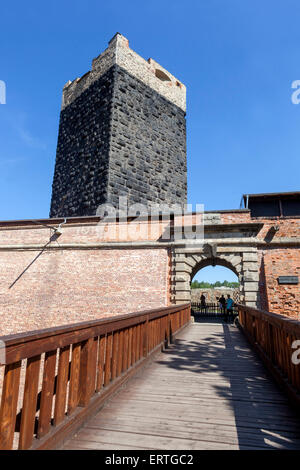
232, 377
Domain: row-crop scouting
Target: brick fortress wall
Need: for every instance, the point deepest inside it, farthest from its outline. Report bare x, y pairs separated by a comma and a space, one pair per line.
74, 279
277, 256
78, 277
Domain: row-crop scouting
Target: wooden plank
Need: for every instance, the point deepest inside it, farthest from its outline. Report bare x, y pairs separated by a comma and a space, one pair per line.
171, 413
9, 402
138, 340
47, 393
94, 365
101, 362
62, 383
120, 353
133, 346
146, 441
145, 337
29, 402
189, 419
151, 335
125, 350
107, 369
114, 359
223, 426
73, 399
87, 371
200, 432
142, 326
129, 347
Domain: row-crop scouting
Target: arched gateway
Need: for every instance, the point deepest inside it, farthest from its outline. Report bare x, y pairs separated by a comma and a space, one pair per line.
231, 246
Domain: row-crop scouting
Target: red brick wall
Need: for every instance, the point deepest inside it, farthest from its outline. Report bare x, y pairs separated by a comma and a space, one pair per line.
280, 298
287, 227
73, 284
235, 217
280, 260
66, 286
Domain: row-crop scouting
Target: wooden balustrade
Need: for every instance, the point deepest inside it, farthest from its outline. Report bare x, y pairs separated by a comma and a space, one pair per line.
71, 370
273, 336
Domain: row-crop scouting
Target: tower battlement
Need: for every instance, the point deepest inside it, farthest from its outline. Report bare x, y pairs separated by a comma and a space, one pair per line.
148, 71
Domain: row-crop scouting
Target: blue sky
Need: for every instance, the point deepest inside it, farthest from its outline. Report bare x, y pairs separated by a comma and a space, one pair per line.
215, 273
237, 58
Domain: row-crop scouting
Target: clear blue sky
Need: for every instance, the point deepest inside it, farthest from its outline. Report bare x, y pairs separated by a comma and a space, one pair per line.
237, 58
215, 273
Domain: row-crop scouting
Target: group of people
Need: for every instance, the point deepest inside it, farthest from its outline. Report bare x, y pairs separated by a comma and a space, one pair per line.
226, 305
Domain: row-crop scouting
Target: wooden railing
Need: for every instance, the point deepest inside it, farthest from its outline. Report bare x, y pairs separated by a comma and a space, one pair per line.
274, 338
68, 372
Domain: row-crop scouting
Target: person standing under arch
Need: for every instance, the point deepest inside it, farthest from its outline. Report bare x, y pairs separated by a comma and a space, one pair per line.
229, 305
202, 303
222, 302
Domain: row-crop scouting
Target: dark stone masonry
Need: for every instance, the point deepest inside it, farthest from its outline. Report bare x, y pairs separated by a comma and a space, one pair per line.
119, 137
80, 181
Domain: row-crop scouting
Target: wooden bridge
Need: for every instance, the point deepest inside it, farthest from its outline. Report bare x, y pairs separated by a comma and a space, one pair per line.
154, 380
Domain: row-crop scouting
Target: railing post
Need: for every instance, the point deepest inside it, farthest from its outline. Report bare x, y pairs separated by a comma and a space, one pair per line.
87, 371
145, 336
108, 359
170, 332
29, 402
62, 383
9, 401
115, 355
74, 378
101, 362
47, 393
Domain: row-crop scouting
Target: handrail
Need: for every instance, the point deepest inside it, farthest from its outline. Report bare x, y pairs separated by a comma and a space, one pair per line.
274, 337
71, 370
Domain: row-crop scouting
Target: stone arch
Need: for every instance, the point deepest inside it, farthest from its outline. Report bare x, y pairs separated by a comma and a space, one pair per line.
242, 261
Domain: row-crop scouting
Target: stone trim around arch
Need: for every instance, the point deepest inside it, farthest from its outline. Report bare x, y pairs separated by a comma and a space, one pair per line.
243, 261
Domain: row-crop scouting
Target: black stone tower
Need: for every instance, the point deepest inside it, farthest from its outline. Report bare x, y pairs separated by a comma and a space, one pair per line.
122, 132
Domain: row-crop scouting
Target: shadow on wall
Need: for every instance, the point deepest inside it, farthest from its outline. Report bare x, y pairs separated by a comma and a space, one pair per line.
53, 238
263, 293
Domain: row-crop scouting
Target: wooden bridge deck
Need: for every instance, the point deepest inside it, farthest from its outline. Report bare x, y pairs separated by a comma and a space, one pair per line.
207, 391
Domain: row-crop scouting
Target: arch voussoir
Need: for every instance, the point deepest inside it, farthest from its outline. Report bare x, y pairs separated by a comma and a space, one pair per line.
245, 266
